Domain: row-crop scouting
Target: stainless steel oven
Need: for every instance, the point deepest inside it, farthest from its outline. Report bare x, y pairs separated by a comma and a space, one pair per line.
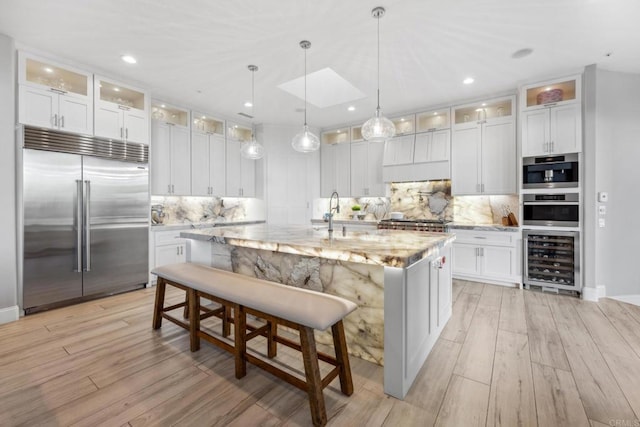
552, 259
551, 210
550, 172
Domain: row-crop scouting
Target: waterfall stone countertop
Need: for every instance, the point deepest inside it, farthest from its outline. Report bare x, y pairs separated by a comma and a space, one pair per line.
199, 225
482, 227
392, 248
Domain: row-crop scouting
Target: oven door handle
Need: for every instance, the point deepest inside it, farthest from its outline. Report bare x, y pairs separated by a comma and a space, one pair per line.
550, 203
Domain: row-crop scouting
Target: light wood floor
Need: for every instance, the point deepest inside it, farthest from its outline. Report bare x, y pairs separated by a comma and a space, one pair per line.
507, 357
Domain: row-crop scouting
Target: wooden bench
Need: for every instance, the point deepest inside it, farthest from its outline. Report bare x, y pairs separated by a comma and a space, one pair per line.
277, 304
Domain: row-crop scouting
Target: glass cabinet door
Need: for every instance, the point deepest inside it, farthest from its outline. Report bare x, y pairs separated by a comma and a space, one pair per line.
62, 79
238, 132
404, 124
205, 123
169, 114
482, 111
430, 121
120, 95
551, 93
336, 136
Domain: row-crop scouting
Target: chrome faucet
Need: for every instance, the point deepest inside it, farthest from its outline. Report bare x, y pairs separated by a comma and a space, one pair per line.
337, 209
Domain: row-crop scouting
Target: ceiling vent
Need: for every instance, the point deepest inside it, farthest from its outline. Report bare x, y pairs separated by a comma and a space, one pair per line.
246, 115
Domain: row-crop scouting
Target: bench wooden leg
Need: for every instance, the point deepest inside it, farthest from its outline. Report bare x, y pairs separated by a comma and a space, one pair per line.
186, 305
340, 344
239, 331
194, 318
226, 325
272, 350
159, 304
312, 373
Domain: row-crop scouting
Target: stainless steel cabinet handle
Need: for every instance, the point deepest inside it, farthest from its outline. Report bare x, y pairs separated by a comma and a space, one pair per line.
173, 188
78, 226
553, 146
87, 225
126, 133
55, 120
481, 251
61, 121
177, 250
121, 132
168, 188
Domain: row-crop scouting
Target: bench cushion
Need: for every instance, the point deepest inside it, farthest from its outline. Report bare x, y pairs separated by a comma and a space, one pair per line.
309, 308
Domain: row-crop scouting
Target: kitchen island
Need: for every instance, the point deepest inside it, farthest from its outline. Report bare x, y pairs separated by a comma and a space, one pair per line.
401, 281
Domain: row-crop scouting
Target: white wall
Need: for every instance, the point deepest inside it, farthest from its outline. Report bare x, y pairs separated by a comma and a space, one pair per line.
612, 155
8, 269
292, 178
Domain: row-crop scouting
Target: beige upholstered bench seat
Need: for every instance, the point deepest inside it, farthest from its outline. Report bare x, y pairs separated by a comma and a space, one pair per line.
309, 308
275, 304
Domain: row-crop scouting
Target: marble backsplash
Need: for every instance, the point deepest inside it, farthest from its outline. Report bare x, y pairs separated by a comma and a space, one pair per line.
426, 200
194, 210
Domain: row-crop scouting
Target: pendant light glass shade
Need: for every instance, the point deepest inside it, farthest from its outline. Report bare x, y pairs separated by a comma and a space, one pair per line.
252, 149
305, 141
378, 128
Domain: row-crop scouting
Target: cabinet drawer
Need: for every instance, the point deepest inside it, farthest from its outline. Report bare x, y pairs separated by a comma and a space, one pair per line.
495, 238
168, 238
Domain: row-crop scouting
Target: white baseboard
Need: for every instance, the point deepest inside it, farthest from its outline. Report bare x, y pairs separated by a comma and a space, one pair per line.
9, 314
593, 294
629, 299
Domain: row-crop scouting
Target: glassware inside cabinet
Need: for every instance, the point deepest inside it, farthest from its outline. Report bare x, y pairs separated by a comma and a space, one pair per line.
551, 93
208, 124
169, 114
483, 111
336, 136
56, 77
238, 132
433, 120
356, 134
117, 94
404, 124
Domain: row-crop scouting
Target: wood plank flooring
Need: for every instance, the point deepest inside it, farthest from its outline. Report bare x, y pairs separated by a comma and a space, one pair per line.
507, 357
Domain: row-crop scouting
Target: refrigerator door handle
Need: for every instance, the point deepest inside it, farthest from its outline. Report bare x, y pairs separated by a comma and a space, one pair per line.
78, 226
87, 225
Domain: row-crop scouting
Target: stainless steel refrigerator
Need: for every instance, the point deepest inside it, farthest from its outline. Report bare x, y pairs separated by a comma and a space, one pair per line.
85, 218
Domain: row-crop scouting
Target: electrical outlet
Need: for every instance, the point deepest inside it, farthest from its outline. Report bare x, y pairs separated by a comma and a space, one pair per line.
601, 223
603, 197
602, 210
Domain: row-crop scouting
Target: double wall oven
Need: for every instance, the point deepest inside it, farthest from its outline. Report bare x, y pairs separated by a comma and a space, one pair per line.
551, 222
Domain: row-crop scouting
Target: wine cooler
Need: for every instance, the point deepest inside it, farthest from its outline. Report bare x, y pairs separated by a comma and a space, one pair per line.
552, 259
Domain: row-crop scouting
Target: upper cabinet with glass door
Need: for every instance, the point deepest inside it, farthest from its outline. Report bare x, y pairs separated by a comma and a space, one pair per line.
173, 116
204, 123
431, 121
483, 112
551, 93
405, 125
121, 111
238, 132
54, 96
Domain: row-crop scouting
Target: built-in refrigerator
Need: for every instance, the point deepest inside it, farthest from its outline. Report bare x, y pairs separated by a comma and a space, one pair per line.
85, 204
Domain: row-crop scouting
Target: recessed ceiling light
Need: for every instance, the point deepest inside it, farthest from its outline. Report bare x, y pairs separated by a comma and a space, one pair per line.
129, 59
484, 104
402, 119
248, 104
435, 113
351, 108
163, 106
117, 89
522, 53
478, 109
48, 69
468, 80
338, 131
203, 117
547, 89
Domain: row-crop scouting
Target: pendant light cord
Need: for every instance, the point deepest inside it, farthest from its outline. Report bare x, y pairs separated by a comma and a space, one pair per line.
378, 19
305, 86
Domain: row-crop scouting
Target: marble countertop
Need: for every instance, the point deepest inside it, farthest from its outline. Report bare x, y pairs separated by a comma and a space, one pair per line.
373, 223
199, 225
483, 227
392, 248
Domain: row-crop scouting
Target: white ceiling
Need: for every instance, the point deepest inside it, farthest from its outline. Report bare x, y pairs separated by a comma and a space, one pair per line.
196, 52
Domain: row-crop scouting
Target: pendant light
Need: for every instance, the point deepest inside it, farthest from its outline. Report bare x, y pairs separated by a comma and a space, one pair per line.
378, 128
252, 149
305, 141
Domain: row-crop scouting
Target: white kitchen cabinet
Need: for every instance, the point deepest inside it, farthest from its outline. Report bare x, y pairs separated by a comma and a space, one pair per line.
366, 169
170, 159
399, 150
552, 130
208, 164
240, 172
552, 117
487, 256
121, 112
483, 149
335, 165
432, 146
405, 124
167, 247
54, 96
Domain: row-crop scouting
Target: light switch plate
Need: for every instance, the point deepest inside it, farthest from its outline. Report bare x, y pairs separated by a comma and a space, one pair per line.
602, 210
